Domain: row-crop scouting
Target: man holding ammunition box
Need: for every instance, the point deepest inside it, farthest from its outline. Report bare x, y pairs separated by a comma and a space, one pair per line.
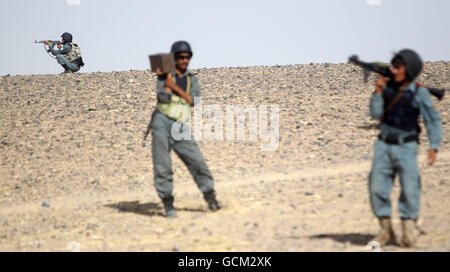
176, 92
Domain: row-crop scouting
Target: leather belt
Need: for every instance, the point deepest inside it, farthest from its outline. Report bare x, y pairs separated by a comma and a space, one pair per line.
395, 141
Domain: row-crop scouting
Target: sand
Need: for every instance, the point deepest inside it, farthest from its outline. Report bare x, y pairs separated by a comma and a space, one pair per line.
74, 167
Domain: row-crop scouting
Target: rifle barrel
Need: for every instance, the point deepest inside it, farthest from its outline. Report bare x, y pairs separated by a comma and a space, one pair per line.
52, 42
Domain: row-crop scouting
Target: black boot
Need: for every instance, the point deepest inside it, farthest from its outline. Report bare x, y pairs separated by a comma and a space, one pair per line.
168, 206
66, 69
210, 198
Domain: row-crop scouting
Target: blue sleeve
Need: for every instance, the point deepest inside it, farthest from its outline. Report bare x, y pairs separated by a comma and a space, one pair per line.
376, 106
431, 118
65, 49
195, 90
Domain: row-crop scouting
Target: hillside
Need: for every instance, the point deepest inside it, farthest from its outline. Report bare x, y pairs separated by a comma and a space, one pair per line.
74, 167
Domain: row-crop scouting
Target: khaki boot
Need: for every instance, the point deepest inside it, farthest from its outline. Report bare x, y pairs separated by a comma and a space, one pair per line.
410, 233
386, 233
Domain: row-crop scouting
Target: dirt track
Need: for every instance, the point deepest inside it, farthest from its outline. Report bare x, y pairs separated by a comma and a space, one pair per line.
74, 168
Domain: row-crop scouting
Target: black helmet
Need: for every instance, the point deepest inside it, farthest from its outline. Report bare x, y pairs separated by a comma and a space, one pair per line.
67, 37
181, 47
412, 61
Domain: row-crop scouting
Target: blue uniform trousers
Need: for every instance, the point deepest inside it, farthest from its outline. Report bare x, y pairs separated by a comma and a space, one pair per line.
187, 150
64, 61
388, 161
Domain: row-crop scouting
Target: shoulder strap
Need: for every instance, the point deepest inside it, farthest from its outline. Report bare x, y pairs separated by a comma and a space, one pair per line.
391, 105
188, 88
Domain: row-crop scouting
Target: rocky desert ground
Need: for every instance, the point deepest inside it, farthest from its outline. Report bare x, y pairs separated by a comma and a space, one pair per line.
76, 174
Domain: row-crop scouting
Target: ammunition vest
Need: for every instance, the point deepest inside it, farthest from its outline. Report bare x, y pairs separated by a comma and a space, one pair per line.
402, 115
74, 53
178, 109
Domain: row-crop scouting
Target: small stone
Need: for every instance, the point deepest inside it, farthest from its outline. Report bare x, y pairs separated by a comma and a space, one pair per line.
176, 248
95, 181
338, 244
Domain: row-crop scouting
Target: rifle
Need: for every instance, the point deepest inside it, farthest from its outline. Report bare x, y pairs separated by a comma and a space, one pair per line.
383, 69
149, 127
45, 47
52, 42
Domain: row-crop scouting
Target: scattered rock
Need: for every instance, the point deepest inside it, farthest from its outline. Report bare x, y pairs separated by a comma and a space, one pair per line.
80, 135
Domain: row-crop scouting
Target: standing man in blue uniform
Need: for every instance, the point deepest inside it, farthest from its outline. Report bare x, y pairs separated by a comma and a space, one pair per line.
398, 104
176, 93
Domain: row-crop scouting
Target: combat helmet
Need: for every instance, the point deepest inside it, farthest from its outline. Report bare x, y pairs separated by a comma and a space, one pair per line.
67, 37
412, 61
181, 47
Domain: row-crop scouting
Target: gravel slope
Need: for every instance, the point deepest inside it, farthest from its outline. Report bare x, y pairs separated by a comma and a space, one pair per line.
74, 168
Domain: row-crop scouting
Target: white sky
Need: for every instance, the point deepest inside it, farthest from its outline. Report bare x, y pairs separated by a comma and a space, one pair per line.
118, 35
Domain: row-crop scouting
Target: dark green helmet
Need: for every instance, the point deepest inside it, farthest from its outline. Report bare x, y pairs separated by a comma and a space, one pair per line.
181, 47
412, 61
67, 37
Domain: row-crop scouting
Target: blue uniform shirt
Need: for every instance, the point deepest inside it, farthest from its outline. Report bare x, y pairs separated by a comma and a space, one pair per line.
194, 91
64, 50
424, 103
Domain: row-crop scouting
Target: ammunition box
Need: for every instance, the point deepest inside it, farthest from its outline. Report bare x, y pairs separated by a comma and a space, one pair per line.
165, 62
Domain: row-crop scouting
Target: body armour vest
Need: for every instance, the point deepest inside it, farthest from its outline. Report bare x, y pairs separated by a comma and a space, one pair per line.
178, 109
74, 53
402, 115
